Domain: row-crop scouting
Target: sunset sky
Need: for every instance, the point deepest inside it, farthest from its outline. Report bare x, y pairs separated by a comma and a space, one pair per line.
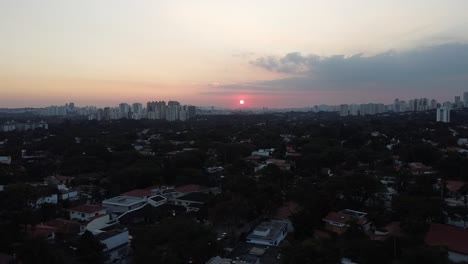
213, 52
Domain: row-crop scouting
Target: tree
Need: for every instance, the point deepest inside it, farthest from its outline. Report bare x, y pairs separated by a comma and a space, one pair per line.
174, 240
37, 250
90, 250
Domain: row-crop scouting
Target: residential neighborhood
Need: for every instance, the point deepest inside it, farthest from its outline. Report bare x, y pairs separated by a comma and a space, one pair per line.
273, 188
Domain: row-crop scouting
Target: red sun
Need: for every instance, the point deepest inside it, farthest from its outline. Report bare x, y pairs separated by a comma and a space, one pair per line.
241, 102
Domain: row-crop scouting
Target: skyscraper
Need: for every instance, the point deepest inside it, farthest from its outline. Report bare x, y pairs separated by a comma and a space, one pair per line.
465, 99
443, 114
124, 110
344, 110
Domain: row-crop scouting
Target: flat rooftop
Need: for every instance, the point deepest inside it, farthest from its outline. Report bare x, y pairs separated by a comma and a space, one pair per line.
123, 200
268, 231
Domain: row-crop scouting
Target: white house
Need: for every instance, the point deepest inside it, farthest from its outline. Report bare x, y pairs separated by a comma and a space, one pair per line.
122, 204
86, 211
263, 152
5, 160
116, 240
269, 233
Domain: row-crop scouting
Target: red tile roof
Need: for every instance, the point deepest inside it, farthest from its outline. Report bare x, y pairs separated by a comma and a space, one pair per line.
64, 226
190, 188
454, 186
41, 230
343, 218
140, 193
454, 238
87, 208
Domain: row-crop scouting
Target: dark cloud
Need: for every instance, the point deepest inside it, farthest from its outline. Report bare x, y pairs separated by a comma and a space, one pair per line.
444, 66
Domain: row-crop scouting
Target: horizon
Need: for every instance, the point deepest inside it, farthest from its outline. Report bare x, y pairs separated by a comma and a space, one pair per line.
270, 54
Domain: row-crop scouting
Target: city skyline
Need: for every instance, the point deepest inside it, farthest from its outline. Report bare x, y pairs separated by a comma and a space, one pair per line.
270, 54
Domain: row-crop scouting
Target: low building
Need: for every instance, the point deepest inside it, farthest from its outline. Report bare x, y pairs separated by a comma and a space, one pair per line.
269, 233
5, 160
51, 199
339, 222
85, 212
453, 238
116, 240
122, 204
263, 152
192, 201
65, 227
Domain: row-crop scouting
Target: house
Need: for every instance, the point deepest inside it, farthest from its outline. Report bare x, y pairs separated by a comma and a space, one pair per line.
454, 188
392, 229
5, 160
263, 152
85, 212
339, 222
282, 164
190, 188
250, 253
65, 227
53, 199
149, 214
58, 180
244, 259
42, 230
71, 195
418, 168
269, 233
192, 201
122, 204
138, 193
456, 216
453, 238
116, 240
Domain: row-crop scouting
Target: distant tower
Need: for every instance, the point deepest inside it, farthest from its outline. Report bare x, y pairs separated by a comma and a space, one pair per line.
124, 110
443, 114
465, 99
344, 110
396, 105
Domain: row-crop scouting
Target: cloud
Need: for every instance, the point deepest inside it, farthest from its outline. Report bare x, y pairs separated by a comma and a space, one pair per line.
443, 66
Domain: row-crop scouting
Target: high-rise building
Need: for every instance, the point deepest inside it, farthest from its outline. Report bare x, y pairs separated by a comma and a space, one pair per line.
107, 113
433, 104
465, 99
137, 108
192, 111
344, 110
173, 112
443, 114
396, 106
156, 110
124, 110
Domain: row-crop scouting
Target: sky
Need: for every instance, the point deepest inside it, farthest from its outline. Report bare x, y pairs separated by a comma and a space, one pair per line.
213, 52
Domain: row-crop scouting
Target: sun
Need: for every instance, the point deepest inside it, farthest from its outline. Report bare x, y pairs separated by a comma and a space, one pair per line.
241, 102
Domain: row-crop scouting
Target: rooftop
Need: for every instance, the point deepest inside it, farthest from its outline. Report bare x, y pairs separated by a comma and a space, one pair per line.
123, 201
87, 208
345, 216
195, 197
140, 193
190, 188
268, 230
158, 198
454, 238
